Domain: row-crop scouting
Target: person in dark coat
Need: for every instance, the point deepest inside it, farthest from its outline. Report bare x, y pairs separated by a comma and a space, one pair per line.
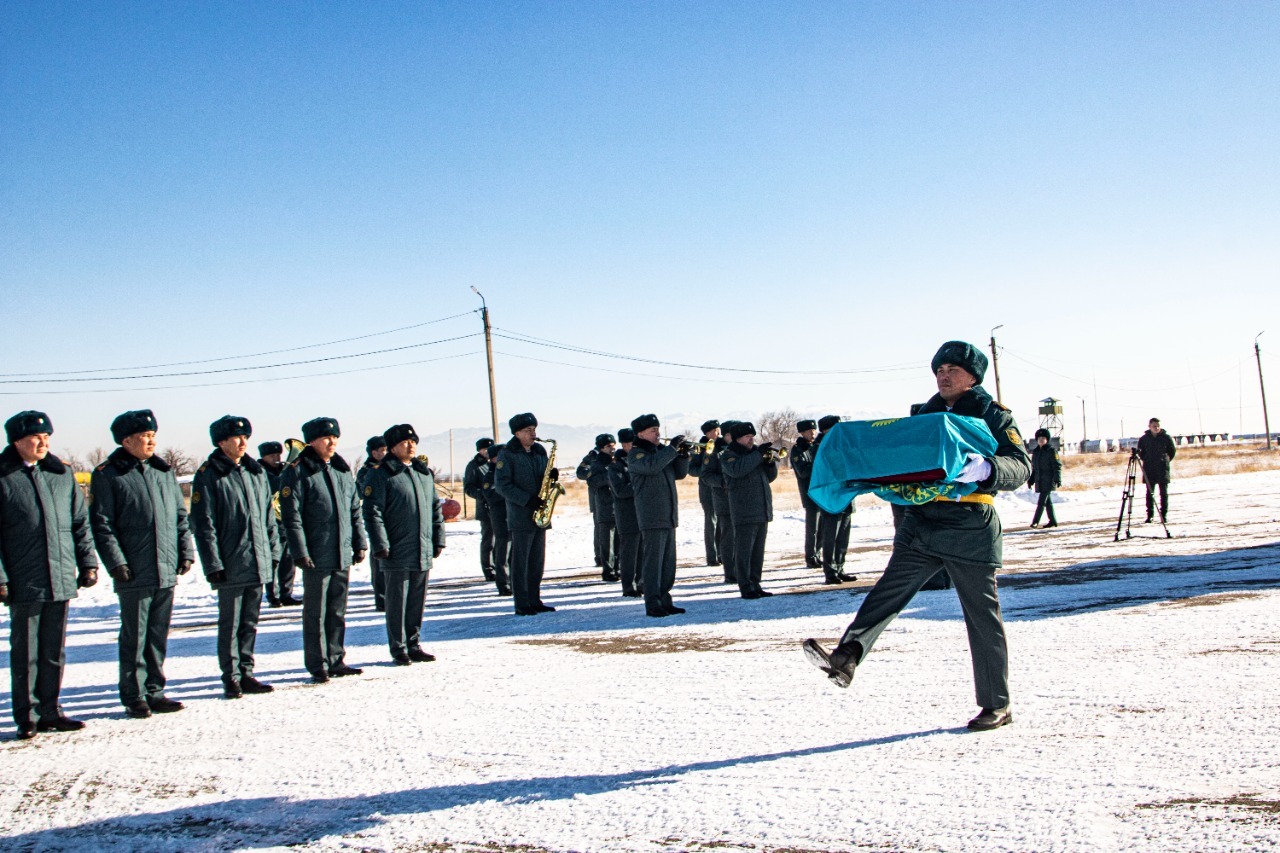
239, 543
802, 454
624, 513
405, 524
46, 554
963, 535
280, 588
498, 517
472, 485
1156, 450
517, 480
711, 475
322, 518
595, 472
747, 477
1046, 475
833, 527
711, 534
375, 451
654, 469
140, 527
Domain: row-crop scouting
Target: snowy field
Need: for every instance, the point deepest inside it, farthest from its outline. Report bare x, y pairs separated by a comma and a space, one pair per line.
1145, 679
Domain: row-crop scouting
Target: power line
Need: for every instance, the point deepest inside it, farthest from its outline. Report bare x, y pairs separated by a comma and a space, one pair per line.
247, 355
1090, 383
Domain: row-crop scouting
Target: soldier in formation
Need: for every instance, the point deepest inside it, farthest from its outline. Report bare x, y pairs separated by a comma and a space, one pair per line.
375, 451
594, 471
802, 455
280, 587
654, 469
472, 485
517, 479
711, 532
497, 508
748, 472
624, 513
833, 527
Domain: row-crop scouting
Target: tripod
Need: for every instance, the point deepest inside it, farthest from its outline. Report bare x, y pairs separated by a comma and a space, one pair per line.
1128, 497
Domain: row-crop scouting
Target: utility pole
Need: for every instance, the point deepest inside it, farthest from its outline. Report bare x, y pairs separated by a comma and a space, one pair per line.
1257, 351
488, 350
1084, 424
995, 363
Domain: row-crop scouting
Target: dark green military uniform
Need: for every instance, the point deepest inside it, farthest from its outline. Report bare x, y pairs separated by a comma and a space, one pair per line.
375, 564
517, 479
606, 525
321, 512
833, 527
747, 477
403, 518
473, 480
497, 508
239, 542
628, 526
46, 554
801, 458
711, 476
654, 470
711, 533
139, 520
280, 588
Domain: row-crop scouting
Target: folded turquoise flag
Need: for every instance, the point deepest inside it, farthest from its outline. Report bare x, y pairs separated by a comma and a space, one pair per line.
902, 460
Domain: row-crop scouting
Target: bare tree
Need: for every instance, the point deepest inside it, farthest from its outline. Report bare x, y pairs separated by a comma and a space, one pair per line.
778, 427
96, 457
180, 461
75, 463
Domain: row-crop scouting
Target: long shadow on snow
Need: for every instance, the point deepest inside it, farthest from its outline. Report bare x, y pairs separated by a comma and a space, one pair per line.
276, 821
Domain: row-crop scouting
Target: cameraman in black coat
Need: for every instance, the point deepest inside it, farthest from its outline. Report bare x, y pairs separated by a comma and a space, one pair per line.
1156, 451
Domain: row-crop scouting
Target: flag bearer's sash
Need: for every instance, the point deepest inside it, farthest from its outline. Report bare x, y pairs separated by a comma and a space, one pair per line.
903, 460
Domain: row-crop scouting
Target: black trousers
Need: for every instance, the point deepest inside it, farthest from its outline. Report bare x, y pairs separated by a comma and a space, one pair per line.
835, 540
486, 542
748, 540
37, 657
659, 568
144, 641
324, 619
378, 582
710, 530
528, 560
286, 574
501, 548
1164, 499
629, 561
238, 612
812, 535
975, 585
406, 597
1045, 502
606, 534
724, 530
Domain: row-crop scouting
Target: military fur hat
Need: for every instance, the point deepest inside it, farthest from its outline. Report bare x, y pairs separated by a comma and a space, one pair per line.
269, 447
27, 423
725, 426
1043, 433
129, 423
963, 355
319, 428
522, 421
644, 422
626, 435
604, 438
229, 425
483, 443
741, 428
493, 450
808, 423
374, 443
826, 422
708, 426
399, 433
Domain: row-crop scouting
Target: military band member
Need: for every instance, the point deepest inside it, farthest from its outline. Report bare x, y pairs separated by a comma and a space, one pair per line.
140, 528
962, 535
624, 513
375, 451
517, 480
46, 554
321, 510
239, 543
596, 476
712, 476
802, 454
280, 587
406, 528
472, 486
498, 515
654, 469
711, 534
747, 477
834, 527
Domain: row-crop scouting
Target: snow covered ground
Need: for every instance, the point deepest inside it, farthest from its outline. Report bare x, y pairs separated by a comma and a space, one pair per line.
1145, 679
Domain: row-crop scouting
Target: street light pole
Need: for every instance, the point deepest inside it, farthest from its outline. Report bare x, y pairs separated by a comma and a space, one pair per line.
995, 363
1257, 351
488, 351
1084, 424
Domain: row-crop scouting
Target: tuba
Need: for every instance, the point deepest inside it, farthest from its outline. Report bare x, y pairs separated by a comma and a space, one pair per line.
549, 490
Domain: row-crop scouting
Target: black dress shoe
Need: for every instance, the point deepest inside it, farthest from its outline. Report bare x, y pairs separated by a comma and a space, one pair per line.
164, 705
544, 608
991, 719
713, 563
839, 664
273, 602
26, 731
672, 610
342, 670
504, 590
812, 564
489, 575
380, 607
729, 580
139, 710
59, 723
231, 690
319, 678
656, 614
633, 593
751, 594
831, 579
249, 684
401, 660
763, 593
289, 601
419, 656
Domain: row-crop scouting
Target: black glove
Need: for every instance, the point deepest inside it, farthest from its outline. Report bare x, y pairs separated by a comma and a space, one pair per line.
219, 576
537, 504
4, 594
184, 567
88, 577
384, 554
555, 475
121, 574
767, 446
439, 549
302, 563
357, 556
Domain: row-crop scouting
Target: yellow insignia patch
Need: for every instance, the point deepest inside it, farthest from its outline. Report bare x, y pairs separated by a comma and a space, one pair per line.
639, 454
368, 490
499, 463
195, 497
1013, 436
285, 492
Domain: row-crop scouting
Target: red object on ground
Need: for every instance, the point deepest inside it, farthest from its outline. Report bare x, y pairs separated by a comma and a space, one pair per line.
451, 509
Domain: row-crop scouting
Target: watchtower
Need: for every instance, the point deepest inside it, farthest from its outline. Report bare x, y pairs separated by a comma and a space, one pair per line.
1051, 419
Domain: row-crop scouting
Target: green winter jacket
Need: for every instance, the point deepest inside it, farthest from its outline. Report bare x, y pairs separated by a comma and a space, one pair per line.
321, 511
233, 521
402, 515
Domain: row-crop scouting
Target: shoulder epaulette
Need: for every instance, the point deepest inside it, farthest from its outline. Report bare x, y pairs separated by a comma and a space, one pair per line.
101, 467
202, 467
1001, 406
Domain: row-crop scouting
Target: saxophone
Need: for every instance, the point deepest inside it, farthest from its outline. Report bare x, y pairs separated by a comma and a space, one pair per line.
549, 490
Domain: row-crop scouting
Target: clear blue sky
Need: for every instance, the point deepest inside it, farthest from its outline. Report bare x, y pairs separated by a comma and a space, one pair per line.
767, 186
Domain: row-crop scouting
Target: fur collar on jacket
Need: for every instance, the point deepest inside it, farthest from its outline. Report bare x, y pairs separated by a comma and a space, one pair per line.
515, 446
394, 466
10, 461
973, 404
310, 461
123, 460
220, 465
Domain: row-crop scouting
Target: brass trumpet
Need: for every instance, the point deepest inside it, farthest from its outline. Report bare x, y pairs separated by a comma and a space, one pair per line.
773, 454
294, 447
681, 444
